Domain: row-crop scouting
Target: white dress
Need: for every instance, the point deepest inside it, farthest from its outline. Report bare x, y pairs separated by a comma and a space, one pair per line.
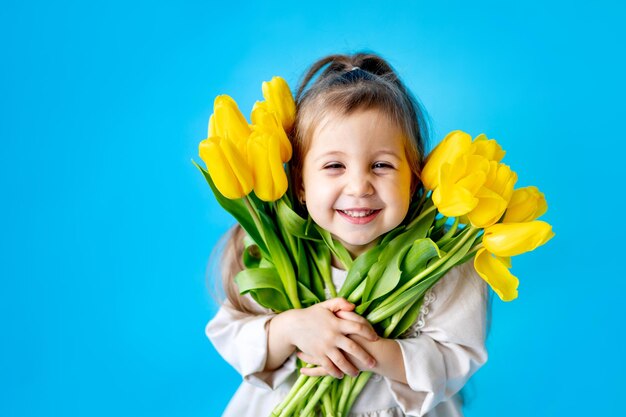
444, 347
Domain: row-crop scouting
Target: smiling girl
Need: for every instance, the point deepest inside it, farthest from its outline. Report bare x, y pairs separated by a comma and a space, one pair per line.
358, 151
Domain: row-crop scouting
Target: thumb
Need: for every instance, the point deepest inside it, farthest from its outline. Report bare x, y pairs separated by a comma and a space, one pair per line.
337, 304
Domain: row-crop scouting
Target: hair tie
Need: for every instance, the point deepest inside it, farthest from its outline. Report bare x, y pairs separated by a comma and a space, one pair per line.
355, 74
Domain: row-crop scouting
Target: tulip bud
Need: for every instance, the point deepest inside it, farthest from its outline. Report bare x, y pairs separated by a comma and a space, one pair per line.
494, 195
280, 101
227, 167
266, 122
454, 145
496, 273
458, 184
227, 122
511, 239
487, 148
264, 155
527, 203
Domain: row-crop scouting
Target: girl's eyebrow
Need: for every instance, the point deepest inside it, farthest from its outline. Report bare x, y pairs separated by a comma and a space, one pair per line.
382, 152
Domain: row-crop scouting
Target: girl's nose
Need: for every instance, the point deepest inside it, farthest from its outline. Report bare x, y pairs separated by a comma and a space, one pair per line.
359, 185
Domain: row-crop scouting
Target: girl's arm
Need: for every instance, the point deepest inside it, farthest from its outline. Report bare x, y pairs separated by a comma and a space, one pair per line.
321, 332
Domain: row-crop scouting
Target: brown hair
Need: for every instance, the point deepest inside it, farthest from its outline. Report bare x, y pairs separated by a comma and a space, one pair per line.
343, 84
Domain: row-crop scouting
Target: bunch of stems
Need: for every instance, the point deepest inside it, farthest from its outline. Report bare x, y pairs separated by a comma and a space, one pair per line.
388, 297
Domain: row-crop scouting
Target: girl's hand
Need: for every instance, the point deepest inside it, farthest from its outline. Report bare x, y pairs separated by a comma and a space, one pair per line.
362, 342
321, 333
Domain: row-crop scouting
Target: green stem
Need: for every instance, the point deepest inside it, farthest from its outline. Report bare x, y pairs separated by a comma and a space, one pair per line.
381, 312
279, 257
346, 387
357, 293
421, 216
358, 386
328, 403
292, 393
397, 318
321, 389
300, 396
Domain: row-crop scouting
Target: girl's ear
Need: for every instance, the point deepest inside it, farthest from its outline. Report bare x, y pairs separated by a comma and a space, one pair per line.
300, 195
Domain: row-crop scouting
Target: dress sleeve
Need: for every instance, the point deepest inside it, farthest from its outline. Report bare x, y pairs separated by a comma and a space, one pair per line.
241, 339
449, 345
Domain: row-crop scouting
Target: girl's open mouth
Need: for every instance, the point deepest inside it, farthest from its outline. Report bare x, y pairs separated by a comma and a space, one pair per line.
359, 216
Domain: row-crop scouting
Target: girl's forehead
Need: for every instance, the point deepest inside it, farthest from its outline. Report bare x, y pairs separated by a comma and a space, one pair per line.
368, 129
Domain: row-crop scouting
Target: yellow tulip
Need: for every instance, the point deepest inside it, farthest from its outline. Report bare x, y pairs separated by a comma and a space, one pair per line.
227, 122
270, 179
511, 239
280, 101
493, 196
527, 203
459, 182
496, 273
228, 168
487, 148
266, 122
454, 145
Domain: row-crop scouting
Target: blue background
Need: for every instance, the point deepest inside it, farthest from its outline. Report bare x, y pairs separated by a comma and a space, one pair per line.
106, 226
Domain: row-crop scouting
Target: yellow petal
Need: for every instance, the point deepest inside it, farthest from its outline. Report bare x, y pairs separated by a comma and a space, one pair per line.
496, 274
489, 209
280, 100
511, 239
526, 204
266, 122
487, 148
494, 196
212, 131
452, 199
229, 122
270, 179
453, 202
454, 145
227, 167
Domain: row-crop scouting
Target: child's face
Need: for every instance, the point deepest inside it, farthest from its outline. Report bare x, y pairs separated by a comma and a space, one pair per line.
356, 178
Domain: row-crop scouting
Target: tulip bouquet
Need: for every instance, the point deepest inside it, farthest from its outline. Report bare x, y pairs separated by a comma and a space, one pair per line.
467, 209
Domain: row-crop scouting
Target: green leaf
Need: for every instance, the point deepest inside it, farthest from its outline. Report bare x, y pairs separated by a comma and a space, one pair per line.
264, 286
407, 319
359, 270
293, 223
306, 296
251, 255
421, 227
390, 277
335, 247
421, 251
379, 284
237, 208
319, 260
409, 296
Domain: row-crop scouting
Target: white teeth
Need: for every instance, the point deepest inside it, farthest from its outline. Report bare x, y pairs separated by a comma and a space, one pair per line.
359, 213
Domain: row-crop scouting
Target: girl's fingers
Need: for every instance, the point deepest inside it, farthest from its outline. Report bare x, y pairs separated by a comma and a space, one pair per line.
351, 315
308, 358
340, 361
361, 356
324, 367
317, 371
336, 304
360, 328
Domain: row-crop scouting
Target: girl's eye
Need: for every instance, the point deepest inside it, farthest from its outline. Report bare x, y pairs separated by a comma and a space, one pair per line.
333, 165
382, 165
